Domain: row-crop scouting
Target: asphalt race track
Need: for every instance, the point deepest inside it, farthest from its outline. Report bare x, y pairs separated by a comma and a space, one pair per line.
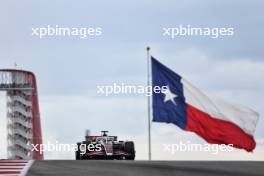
142, 168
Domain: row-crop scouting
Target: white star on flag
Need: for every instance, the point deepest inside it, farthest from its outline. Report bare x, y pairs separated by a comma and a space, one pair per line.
169, 96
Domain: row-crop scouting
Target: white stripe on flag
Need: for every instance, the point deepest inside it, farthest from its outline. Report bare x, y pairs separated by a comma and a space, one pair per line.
243, 117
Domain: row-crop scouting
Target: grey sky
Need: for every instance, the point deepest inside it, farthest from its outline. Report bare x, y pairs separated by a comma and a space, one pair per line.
68, 69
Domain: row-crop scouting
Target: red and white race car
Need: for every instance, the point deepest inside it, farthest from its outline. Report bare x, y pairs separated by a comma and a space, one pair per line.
104, 147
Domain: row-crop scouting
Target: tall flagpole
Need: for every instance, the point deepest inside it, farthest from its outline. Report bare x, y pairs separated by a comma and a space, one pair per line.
149, 121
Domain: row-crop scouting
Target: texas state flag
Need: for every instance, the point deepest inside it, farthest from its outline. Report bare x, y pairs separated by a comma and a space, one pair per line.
184, 105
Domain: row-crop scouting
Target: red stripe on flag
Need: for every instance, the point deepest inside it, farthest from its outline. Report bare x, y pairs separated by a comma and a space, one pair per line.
216, 131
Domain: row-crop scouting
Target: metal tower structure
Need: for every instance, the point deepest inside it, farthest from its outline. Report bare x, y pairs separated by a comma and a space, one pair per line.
23, 118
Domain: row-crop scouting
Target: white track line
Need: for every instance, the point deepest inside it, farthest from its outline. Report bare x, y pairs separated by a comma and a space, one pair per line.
26, 168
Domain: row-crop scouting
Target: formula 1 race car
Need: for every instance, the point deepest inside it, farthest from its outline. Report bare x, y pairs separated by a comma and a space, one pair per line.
104, 147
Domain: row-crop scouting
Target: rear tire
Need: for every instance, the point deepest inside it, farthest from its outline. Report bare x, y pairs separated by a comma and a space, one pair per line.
78, 152
130, 149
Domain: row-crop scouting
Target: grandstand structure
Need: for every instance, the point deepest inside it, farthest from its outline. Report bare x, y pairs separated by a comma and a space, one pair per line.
23, 117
